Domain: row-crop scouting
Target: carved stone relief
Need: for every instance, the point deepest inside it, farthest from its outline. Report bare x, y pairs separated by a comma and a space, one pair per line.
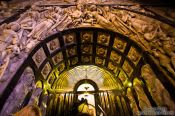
101, 51
119, 44
86, 59
112, 67
127, 68
99, 61
147, 32
39, 57
103, 38
86, 37
61, 67
34, 100
115, 57
46, 70
57, 58
51, 79
143, 100
122, 76
132, 102
71, 51
53, 45
14, 101
156, 88
133, 55
157, 39
86, 49
73, 61
69, 39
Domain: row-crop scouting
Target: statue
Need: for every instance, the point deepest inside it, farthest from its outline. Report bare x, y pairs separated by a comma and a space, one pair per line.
116, 21
28, 20
132, 102
164, 60
49, 18
156, 89
169, 48
143, 100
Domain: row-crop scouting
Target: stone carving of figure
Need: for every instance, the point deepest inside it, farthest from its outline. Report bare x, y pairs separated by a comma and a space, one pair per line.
86, 49
53, 45
101, 51
102, 21
69, 39
58, 58
119, 44
115, 20
143, 100
28, 20
103, 39
9, 45
46, 69
86, 37
61, 18
49, 18
115, 57
134, 56
169, 48
77, 15
38, 57
41, 28
164, 60
8, 37
25, 84
133, 104
156, 89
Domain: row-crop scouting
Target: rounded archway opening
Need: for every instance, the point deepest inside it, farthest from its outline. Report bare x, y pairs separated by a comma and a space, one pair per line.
86, 90
52, 59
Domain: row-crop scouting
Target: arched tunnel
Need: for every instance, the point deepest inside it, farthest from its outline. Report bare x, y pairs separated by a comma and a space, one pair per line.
121, 66
115, 66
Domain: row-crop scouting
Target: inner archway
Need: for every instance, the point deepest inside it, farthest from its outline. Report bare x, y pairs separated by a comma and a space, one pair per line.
114, 54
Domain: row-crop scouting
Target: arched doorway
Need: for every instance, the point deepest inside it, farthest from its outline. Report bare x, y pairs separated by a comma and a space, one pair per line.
63, 51
87, 90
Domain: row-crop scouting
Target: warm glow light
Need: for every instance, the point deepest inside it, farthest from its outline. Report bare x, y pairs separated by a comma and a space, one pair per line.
129, 84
